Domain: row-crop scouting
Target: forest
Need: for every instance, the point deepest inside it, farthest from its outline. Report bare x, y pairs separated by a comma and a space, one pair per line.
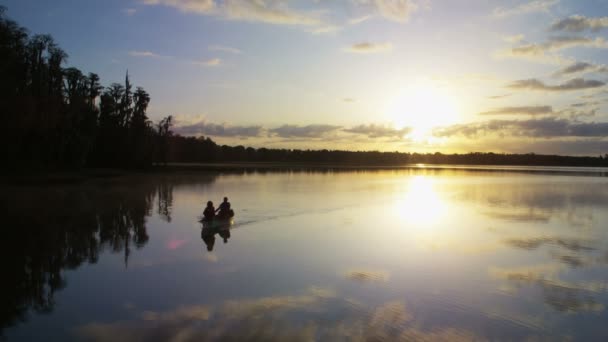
59, 118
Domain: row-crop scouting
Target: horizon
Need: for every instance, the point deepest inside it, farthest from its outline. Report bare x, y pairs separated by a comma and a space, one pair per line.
407, 76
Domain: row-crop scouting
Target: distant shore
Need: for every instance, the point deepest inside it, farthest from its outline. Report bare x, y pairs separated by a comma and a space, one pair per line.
82, 175
289, 166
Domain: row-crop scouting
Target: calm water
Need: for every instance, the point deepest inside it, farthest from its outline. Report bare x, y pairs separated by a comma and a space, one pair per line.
411, 254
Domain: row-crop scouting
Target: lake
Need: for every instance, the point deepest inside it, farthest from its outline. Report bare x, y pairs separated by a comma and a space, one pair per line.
412, 254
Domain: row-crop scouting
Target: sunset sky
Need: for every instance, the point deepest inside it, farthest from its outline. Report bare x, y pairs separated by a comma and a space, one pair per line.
406, 75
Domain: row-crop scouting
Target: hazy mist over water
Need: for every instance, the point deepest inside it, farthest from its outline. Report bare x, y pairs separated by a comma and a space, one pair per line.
407, 254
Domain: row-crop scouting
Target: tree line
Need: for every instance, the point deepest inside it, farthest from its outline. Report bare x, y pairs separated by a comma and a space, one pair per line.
204, 150
58, 117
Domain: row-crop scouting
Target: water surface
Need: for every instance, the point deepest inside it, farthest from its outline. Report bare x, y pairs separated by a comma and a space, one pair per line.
408, 254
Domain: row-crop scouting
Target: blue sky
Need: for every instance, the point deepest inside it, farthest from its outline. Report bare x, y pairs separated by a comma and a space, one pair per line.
407, 75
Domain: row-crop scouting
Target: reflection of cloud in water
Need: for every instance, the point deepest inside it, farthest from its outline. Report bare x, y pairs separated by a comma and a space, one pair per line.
305, 317
445, 334
572, 260
574, 245
560, 295
236, 309
572, 202
529, 216
210, 257
367, 275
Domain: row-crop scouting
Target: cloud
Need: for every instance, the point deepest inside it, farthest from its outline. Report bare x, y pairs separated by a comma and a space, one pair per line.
378, 131
540, 52
581, 67
533, 53
575, 68
196, 6
525, 8
136, 53
214, 62
309, 131
359, 20
579, 23
326, 29
514, 39
264, 11
573, 84
270, 12
501, 96
526, 110
396, 10
545, 52
367, 276
224, 49
544, 127
129, 11
565, 42
217, 130
367, 47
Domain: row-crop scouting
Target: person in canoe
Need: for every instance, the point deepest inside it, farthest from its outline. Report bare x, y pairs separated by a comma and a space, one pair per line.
224, 210
209, 212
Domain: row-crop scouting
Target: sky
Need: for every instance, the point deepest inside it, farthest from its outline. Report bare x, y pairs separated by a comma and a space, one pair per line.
513, 76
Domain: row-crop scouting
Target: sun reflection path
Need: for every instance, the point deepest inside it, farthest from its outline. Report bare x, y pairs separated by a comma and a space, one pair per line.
420, 204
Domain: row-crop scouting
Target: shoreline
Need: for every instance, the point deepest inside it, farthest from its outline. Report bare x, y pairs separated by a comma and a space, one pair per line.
83, 175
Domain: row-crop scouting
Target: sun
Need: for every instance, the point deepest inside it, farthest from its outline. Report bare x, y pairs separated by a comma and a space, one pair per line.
423, 106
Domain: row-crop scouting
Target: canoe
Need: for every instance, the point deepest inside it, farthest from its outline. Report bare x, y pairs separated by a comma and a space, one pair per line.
218, 221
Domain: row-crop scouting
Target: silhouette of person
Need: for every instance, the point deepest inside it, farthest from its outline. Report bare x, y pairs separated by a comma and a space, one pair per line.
225, 234
208, 236
209, 212
224, 208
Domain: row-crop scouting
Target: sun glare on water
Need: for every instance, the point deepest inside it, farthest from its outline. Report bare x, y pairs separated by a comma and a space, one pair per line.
420, 204
422, 107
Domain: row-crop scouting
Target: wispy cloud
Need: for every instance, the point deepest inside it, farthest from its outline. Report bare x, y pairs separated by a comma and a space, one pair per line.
573, 84
129, 11
541, 52
565, 42
514, 38
222, 48
581, 67
309, 131
544, 127
264, 11
396, 10
327, 29
136, 53
367, 47
525, 110
213, 62
196, 6
359, 20
378, 131
579, 23
528, 7
501, 96
217, 130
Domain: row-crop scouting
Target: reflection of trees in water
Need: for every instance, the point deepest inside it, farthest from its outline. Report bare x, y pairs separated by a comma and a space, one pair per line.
59, 228
165, 200
53, 228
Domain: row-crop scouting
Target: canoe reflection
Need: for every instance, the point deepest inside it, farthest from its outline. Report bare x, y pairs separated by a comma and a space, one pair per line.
210, 229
